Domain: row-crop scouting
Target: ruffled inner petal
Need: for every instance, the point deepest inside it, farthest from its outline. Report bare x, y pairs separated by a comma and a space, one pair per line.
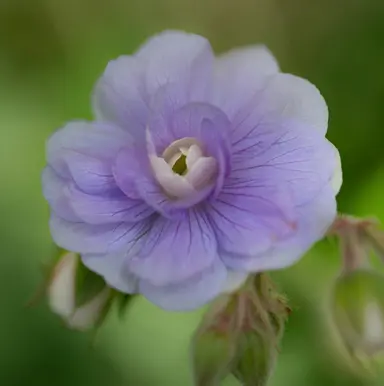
175, 185
207, 124
135, 175
203, 172
151, 192
194, 154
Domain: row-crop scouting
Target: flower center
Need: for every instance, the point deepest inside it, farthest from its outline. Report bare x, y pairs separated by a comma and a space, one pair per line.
180, 166
183, 169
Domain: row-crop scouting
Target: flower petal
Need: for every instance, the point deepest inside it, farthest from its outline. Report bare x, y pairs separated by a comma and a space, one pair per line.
206, 124
113, 268
239, 75
100, 239
131, 163
134, 176
96, 140
202, 172
151, 192
276, 170
176, 250
92, 175
190, 294
194, 154
119, 95
107, 208
284, 153
180, 58
284, 97
313, 222
251, 220
55, 191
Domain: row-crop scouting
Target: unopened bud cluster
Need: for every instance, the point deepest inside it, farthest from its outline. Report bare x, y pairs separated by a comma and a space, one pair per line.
240, 334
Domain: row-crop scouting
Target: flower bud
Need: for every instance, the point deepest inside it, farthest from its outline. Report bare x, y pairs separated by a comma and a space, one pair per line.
263, 326
256, 361
358, 312
80, 297
214, 344
240, 335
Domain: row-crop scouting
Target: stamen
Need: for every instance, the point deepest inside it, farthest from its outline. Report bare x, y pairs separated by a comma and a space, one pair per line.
180, 166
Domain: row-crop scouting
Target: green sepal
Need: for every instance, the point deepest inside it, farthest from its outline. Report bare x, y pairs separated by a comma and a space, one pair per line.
262, 329
213, 354
257, 356
88, 284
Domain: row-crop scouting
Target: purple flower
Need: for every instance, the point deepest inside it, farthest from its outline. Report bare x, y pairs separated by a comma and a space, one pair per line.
196, 171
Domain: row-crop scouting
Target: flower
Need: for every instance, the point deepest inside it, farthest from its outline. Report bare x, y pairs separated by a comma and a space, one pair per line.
81, 300
196, 171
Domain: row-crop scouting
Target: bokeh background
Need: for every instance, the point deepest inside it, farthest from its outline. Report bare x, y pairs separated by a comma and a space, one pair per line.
51, 53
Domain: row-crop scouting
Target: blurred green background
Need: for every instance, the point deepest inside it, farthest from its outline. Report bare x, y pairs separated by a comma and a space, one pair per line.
51, 53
